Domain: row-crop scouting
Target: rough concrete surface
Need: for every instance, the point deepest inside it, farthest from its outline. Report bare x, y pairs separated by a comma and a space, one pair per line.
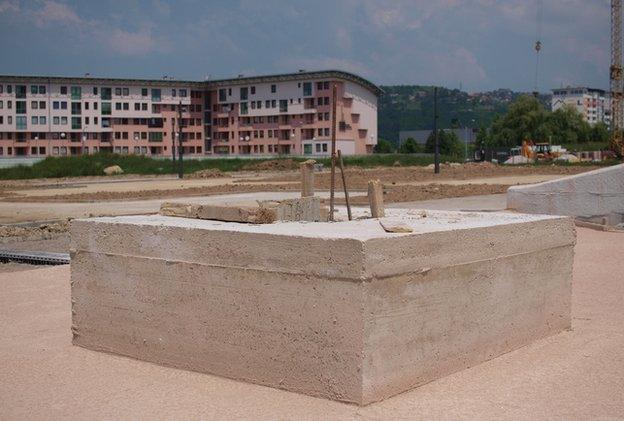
575, 375
343, 310
591, 195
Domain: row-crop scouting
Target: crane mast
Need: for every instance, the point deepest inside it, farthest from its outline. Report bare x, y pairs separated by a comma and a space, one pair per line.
616, 82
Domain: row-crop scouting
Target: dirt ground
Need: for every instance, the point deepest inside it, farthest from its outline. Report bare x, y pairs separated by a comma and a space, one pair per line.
575, 375
212, 182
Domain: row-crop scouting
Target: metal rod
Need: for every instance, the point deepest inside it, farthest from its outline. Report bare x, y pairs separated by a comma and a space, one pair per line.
180, 148
344, 184
333, 156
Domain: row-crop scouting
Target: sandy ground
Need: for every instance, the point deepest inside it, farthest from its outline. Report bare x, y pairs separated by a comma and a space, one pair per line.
573, 375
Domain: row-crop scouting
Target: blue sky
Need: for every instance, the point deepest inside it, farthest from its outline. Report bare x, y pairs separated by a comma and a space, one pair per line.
482, 44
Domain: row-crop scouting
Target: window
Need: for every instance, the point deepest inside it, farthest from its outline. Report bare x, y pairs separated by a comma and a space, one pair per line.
76, 92
34, 105
42, 105
64, 120
118, 106
34, 89
253, 90
9, 89
95, 121
56, 120
243, 108
95, 105
155, 136
95, 90
1, 103
125, 91
20, 122
222, 97
126, 106
42, 89
318, 147
144, 106
87, 120
63, 90
243, 93
273, 89
76, 108
118, 91
1, 88
42, 120
9, 104
63, 105
34, 120
76, 123
183, 93
106, 107
307, 88
326, 100
156, 95
20, 91
143, 91
273, 103
106, 94
86, 104
137, 106
324, 147
283, 105
307, 149
20, 107
173, 92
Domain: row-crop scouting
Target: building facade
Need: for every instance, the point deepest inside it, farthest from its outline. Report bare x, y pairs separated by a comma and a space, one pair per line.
593, 104
264, 115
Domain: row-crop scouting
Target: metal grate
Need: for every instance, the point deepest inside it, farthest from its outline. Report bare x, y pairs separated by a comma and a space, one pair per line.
34, 257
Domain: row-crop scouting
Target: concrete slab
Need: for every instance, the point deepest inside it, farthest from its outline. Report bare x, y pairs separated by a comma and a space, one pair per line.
578, 374
596, 196
343, 310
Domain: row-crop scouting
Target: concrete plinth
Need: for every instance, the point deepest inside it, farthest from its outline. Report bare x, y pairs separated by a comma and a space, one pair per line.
595, 196
342, 310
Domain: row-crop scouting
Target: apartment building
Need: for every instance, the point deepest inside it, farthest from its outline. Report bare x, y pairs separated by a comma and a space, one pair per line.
593, 104
263, 115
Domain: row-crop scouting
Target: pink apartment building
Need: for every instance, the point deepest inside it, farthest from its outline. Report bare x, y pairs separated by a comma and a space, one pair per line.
263, 115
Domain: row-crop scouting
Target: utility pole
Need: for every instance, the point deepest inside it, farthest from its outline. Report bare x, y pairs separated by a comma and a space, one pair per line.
435, 130
616, 77
180, 148
333, 156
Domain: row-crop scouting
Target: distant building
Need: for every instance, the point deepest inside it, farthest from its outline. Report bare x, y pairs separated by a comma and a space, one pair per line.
593, 104
465, 134
259, 115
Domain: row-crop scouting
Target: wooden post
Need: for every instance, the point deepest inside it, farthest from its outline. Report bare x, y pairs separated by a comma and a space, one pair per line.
333, 156
344, 184
375, 199
307, 178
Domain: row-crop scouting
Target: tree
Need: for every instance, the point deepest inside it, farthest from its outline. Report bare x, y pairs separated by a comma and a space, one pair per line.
566, 125
383, 146
525, 120
410, 146
448, 141
599, 133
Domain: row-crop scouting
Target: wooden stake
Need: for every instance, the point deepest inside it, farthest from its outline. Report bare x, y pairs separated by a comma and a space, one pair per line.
344, 184
333, 156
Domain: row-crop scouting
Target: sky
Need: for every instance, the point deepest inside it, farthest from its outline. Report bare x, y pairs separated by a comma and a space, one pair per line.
477, 45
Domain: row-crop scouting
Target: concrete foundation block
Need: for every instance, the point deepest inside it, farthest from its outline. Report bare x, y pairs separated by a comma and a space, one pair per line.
344, 310
595, 196
300, 209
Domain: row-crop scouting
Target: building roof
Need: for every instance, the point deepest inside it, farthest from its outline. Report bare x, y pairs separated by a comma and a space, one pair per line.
576, 88
207, 84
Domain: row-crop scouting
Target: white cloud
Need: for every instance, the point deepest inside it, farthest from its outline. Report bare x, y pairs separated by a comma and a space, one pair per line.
54, 13
9, 6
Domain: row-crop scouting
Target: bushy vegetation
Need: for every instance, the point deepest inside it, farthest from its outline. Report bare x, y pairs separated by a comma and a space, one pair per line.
528, 119
89, 165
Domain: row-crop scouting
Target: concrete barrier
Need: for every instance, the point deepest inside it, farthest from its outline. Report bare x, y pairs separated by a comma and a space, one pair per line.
595, 196
344, 310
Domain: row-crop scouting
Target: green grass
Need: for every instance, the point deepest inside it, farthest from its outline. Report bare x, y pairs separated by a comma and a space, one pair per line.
77, 166
86, 165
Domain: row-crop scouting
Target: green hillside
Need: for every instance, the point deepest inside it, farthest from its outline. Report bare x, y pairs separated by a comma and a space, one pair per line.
410, 107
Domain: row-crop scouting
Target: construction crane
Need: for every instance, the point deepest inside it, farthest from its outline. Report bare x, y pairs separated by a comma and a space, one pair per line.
537, 47
615, 76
